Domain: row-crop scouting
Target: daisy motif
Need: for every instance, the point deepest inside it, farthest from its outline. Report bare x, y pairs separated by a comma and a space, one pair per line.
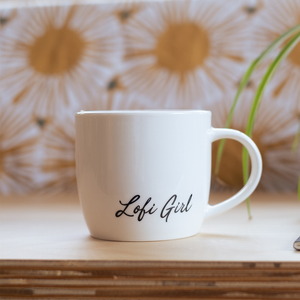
252, 7
6, 16
18, 151
58, 143
57, 56
278, 17
274, 131
124, 11
58, 166
184, 53
116, 96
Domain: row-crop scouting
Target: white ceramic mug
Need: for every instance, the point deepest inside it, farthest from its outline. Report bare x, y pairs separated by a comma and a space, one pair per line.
145, 175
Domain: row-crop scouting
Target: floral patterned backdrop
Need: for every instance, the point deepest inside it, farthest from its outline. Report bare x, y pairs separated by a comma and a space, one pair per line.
59, 59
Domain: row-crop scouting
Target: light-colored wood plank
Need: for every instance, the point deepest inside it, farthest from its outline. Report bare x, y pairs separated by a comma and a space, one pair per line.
53, 228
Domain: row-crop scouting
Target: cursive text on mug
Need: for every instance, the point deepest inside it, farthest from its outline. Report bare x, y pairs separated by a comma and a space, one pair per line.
130, 209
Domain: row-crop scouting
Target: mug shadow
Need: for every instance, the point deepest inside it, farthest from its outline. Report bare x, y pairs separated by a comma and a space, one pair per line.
90, 239
217, 235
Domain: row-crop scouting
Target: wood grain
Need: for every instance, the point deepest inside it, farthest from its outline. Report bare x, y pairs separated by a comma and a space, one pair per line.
157, 279
46, 252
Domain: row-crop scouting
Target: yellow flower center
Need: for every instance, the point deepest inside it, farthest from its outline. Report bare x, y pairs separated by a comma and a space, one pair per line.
182, 47
1, 164
231, 167
57, 51
294, 56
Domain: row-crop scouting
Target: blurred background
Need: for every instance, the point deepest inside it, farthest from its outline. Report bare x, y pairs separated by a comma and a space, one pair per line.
61, 57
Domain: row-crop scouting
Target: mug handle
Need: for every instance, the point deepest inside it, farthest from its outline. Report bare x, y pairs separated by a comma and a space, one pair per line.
256, 169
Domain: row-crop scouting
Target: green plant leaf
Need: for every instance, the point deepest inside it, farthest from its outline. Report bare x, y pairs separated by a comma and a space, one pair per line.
245, 80
259, 93
242, 85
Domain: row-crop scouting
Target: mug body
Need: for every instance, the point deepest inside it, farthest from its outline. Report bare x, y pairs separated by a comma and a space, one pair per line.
143, 175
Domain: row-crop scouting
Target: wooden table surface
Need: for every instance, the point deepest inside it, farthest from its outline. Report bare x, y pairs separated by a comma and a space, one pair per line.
46, 251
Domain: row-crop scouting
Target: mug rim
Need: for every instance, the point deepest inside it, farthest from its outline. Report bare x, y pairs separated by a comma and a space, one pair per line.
145, 111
